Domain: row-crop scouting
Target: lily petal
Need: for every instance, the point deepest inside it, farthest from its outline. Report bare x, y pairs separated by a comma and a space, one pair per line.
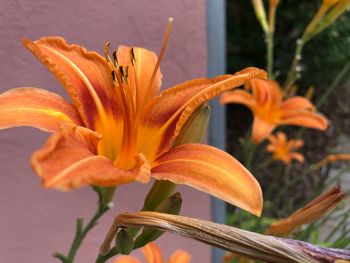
212, 171
297, 156
84, 74
126, 259
180, 256
261, 129
313, 211
306, 119
238, 96
297, 103
36, 108
68, 160
266, 92
140, 72
152, 253
164, 116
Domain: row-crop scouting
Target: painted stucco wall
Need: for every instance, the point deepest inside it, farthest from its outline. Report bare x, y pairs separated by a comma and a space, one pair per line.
34, 222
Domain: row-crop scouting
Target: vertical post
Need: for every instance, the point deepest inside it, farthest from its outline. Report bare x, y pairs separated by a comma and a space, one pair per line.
216, 42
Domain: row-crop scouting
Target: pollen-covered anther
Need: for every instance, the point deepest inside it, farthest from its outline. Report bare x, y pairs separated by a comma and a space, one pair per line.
132, 56
106, 51
115, 58
123, 71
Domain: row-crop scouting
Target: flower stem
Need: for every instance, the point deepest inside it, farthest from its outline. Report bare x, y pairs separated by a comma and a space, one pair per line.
338, 79
103, 258
250, 155
293, 73
104, 204
335, 83
270, 43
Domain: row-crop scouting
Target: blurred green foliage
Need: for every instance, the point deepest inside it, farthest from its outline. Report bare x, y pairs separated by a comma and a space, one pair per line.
323, 57
286, 190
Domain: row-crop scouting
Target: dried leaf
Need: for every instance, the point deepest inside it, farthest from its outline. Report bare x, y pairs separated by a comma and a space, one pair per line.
242, 242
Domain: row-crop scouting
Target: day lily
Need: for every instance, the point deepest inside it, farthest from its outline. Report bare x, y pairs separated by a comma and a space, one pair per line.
120, 127
271, 110
282, 148
311, 212
153, 254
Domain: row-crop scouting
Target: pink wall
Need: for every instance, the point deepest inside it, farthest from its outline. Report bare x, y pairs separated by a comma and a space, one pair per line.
34, 222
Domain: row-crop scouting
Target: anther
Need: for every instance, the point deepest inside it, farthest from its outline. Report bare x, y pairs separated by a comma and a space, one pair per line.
121, 70
114, 80
126, 74
107, 57
132, 56
115, 58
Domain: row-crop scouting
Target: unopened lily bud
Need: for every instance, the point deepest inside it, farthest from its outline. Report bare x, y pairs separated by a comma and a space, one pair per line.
195, 127
171, 205
192, 132
310, 93
330, 2
274, 2
124, 242
339, 8
272, 14
260, 14
328, 12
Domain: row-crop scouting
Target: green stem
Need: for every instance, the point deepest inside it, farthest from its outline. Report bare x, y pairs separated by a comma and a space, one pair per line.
104, 204
293, 73
103, 258
265, 163
274, 183
270, 43
289, 182
334, 84
250, 156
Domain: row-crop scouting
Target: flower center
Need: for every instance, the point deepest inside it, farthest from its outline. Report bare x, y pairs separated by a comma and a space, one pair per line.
131, 103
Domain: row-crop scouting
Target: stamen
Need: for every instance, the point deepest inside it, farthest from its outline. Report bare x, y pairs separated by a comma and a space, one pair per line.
126, 72
115, 58
162, 51
106, 50
132, 56
121, 70
113, 78
120, 79
137, 97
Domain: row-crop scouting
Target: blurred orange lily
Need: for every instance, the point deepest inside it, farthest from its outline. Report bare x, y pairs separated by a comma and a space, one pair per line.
282, 148
270, 110
121, 128
153, 254
313, 211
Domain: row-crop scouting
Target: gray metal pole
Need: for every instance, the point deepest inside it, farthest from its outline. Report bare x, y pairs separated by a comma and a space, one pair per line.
216, 40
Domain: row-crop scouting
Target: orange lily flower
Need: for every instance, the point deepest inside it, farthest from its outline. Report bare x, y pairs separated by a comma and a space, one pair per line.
120, 127
153, 254
282, 148
270, 110
313, 211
